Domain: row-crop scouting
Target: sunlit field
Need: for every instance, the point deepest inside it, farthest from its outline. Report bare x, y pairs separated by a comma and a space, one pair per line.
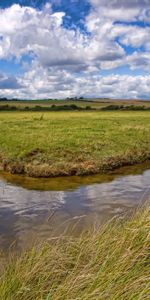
71, 143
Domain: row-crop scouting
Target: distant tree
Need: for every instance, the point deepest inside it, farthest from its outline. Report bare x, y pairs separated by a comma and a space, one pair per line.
3, 99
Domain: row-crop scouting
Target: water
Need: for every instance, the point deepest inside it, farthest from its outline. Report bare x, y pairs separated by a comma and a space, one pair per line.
32, 209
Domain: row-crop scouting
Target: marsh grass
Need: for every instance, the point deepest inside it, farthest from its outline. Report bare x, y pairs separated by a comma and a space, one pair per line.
110, 263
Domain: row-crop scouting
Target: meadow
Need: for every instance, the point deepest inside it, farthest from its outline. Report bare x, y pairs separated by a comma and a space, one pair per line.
112, 262
47, 144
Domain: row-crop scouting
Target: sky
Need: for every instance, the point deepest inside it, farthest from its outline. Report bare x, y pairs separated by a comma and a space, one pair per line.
68, 48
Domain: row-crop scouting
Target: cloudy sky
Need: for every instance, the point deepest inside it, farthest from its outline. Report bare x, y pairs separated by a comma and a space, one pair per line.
64, 48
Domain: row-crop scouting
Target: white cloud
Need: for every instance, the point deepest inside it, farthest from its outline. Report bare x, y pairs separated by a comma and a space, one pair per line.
25, 30
139, 60
45, 83
123, 10
68, 62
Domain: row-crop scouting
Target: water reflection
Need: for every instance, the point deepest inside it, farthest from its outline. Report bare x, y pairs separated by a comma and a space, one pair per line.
32, 208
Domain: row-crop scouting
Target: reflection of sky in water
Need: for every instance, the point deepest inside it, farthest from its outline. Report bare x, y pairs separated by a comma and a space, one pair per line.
23, 211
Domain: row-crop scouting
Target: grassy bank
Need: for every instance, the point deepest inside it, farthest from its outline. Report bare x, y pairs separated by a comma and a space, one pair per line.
111, 263
72, 143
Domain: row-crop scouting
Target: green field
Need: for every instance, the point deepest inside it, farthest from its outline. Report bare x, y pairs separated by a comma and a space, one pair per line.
71, 143
94, 104
110, 263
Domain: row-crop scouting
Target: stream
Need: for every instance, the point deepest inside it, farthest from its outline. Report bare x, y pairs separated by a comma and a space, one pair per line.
37, 209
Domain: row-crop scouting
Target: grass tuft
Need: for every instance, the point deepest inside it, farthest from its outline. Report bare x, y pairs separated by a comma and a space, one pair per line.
110, 263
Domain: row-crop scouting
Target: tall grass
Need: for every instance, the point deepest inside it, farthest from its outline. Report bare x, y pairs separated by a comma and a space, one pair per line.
110, 263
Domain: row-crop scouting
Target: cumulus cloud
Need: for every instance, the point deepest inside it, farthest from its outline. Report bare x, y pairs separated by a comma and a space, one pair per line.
24, 30
118, 21
45, 83
66, 62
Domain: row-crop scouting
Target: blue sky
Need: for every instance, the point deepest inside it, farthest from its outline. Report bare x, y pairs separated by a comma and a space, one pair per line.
91, 48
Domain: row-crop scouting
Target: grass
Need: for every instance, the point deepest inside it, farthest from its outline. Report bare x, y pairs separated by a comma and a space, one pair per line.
110, 263
94, 103
72, 143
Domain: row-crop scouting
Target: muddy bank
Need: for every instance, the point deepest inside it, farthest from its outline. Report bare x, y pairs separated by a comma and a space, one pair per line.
45, 170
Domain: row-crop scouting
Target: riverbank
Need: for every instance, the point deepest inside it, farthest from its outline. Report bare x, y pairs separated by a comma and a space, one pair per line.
80, 169
109, 263
54, 144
